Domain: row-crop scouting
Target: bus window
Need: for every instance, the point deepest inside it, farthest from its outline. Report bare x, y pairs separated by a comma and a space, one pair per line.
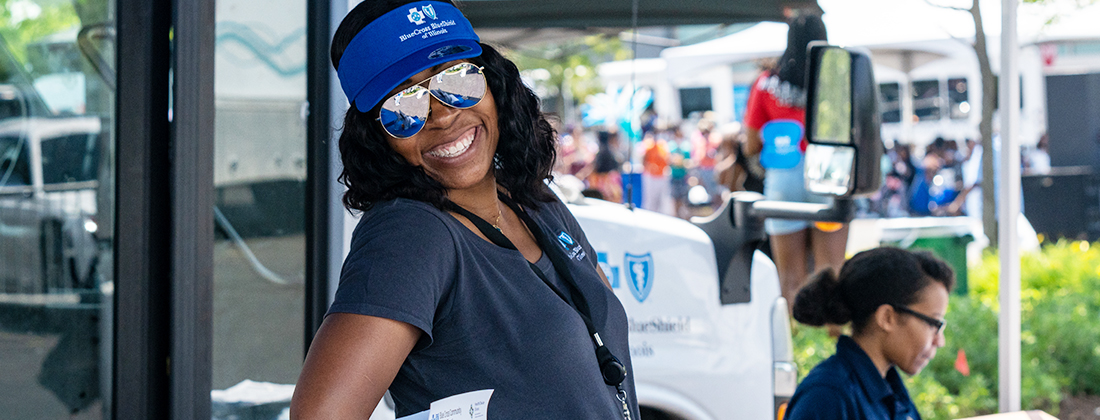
890, 98
926, 100
958, 96
694, 100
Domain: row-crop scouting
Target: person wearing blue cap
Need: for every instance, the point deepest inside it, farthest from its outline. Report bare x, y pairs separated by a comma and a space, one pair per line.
469, 289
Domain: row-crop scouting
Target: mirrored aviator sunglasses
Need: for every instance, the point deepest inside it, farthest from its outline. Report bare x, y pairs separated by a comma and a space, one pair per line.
460, 86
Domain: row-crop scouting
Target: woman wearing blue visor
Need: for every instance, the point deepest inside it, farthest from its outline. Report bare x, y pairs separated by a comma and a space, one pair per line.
469, 290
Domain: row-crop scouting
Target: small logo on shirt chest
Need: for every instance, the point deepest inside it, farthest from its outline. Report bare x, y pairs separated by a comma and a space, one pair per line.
573, 250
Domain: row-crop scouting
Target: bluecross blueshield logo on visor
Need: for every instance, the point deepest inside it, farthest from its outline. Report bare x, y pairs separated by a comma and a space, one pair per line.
399, 44
417, 16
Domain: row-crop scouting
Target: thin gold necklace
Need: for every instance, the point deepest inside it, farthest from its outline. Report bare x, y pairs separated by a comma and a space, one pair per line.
496, 224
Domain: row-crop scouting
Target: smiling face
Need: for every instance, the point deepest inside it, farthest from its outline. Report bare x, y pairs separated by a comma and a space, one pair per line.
913, 342
456, 146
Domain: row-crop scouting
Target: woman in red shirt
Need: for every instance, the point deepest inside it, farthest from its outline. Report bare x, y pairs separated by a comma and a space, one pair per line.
774, 124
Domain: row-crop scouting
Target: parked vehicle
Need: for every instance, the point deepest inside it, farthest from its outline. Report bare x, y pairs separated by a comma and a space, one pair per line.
48, 186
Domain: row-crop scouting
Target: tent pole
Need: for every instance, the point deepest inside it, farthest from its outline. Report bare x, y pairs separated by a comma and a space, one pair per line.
1008, 213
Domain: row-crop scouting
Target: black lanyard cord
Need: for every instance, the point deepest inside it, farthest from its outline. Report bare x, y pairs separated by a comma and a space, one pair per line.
612, 370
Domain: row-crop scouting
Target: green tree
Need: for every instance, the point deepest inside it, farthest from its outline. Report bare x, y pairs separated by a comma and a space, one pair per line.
568, 69
22, 22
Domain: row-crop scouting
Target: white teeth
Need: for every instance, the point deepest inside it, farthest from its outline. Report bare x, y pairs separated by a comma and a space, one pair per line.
457, 149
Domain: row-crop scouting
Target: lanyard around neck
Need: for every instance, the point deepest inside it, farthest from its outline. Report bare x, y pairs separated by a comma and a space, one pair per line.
613, 371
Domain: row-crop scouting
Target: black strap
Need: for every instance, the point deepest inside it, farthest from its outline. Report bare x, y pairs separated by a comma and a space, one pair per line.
613, 371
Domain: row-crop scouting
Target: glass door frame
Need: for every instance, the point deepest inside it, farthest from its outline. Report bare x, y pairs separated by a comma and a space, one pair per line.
165, 195
143, 257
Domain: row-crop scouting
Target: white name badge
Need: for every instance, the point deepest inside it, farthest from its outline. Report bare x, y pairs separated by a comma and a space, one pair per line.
470, 405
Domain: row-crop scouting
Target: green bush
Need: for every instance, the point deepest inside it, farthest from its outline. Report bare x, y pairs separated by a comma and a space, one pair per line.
1060, 336
1060, 312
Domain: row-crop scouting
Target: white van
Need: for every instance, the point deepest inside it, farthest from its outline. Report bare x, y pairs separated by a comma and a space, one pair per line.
48, 183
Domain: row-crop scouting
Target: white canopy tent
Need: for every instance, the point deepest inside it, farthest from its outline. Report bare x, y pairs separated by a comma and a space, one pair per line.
887, 28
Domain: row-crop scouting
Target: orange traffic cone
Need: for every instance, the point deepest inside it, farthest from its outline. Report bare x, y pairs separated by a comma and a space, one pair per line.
961, 364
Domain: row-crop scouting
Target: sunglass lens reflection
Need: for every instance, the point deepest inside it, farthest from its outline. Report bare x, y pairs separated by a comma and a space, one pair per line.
461, 86
405, 113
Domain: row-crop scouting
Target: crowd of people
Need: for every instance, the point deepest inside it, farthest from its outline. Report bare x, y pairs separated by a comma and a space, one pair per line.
933, 185
943, 181
684, 170
946, 181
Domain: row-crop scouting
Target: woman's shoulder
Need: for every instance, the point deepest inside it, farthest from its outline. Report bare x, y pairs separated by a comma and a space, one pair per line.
826, 393
831, 374
554, 209
764, 79
402, 220
400, 209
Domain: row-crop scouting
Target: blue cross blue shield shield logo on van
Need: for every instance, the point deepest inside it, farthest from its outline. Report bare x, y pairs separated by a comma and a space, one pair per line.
640, 275
565, 239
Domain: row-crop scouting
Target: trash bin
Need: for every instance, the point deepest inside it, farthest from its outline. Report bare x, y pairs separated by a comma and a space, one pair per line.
946, 237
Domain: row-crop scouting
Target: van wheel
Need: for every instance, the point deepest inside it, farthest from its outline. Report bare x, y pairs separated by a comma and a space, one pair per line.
654, 414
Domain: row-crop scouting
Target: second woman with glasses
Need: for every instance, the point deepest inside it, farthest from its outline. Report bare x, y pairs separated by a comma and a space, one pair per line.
895, 300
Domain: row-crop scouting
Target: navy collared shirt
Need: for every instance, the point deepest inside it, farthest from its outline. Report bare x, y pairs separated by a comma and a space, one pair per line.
848, 386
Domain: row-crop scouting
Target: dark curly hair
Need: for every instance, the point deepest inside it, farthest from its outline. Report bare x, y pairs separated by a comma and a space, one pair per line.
373, 172
872, 278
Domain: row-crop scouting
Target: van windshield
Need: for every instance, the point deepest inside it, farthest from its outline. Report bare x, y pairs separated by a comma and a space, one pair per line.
69, 158
14, 170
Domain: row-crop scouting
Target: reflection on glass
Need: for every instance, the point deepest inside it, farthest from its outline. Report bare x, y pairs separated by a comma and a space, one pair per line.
56, 205
829, 169
833, 104
926, 100
259, 179
890, 101
958, 98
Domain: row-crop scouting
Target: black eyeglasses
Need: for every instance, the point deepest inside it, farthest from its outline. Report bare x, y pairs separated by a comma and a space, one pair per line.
938, 324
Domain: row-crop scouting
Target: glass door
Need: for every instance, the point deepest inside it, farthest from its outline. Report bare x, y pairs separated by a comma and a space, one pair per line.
57, 93
259, 192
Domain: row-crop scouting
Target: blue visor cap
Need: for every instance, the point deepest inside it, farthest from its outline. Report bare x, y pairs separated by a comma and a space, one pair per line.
401, 43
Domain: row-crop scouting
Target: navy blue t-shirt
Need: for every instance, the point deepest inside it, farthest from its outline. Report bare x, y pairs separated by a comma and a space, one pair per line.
848, 386
488, 321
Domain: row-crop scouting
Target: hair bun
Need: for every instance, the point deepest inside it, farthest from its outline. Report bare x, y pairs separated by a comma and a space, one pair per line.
820, 301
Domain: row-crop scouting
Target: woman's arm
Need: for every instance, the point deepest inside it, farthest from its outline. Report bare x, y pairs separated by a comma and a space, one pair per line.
350, 364
753, 142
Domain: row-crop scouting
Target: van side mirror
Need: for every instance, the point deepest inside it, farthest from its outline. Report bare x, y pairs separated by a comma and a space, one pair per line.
843, 123
842, 160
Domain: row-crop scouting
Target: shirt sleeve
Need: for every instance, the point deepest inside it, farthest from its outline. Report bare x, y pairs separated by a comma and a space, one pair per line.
756, 113
401, 264
821, 402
